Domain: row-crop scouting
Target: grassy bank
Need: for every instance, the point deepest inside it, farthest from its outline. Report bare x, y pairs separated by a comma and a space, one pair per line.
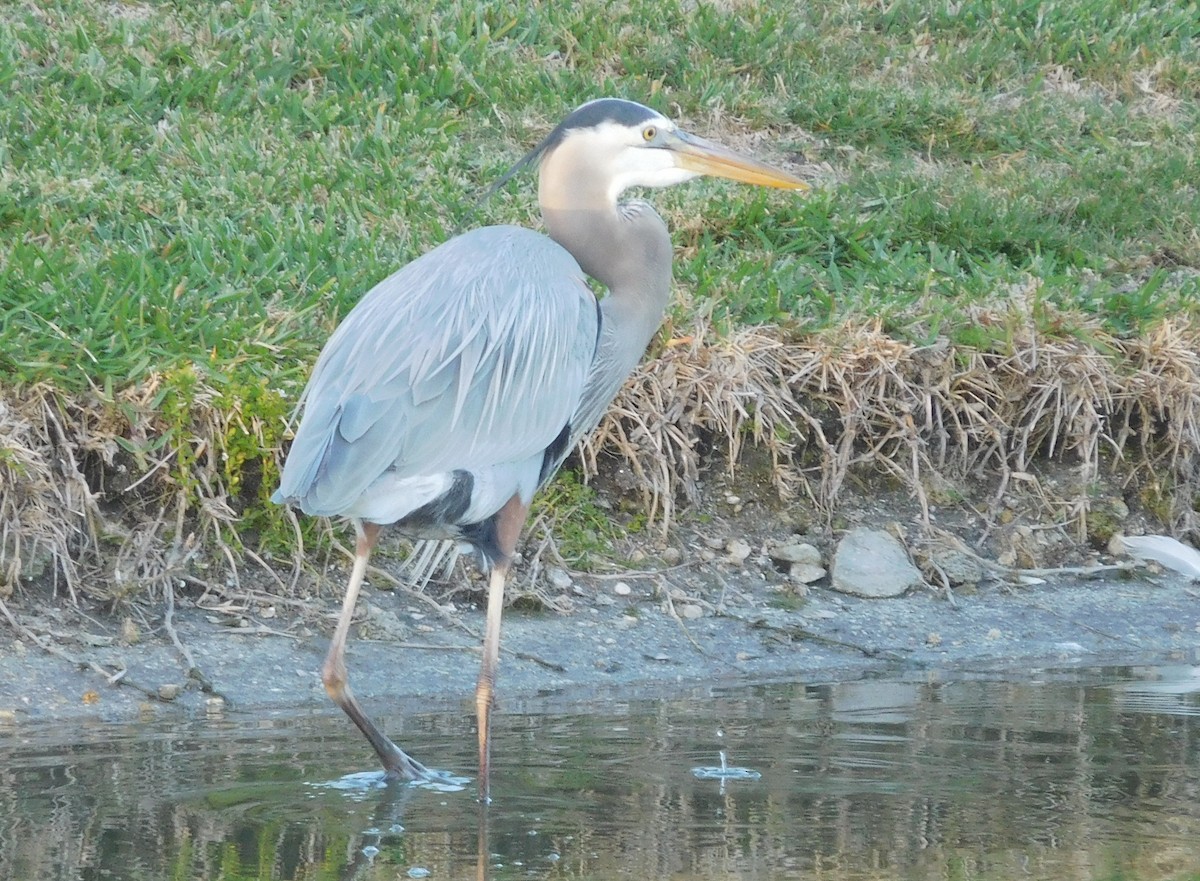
192, 195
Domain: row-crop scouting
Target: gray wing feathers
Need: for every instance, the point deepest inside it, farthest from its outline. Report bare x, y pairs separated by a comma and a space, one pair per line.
473, 355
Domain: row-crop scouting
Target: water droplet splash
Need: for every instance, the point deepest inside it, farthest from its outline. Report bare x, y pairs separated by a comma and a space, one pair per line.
725, 772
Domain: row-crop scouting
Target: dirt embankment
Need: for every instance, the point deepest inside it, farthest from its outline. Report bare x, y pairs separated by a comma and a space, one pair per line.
710, 616
980, 462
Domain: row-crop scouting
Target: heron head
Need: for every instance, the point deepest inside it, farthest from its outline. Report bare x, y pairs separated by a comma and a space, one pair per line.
609, 145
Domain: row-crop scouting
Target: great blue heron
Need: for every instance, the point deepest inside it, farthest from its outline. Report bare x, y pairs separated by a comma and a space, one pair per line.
458, 385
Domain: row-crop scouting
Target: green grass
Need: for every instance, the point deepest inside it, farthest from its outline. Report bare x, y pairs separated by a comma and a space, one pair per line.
204, 189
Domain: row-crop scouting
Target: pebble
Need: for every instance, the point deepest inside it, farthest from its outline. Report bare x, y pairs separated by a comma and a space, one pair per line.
381, 623
958, 567
806, 573
169, 691
691, 611
672, 556
622, 589
872, 563
795, 552
558, 578
738, 551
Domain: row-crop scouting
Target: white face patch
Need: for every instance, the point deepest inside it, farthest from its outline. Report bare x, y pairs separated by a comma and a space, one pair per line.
619, 157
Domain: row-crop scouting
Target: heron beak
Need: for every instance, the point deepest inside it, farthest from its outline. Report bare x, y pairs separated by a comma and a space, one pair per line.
704, 157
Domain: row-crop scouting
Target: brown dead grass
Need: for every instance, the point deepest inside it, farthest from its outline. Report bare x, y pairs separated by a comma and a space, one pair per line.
853, 400
76, 507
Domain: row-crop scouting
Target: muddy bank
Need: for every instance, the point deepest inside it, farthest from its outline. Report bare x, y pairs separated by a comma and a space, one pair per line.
405, 657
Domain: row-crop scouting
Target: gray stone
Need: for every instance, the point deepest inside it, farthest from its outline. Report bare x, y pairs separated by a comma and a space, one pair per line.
738, 551
37, 560
558, 578
871, 563
382, 624
795, 552
169, 691
959, 567
806, 573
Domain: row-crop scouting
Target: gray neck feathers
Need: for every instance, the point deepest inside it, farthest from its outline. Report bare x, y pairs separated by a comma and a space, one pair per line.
628, 250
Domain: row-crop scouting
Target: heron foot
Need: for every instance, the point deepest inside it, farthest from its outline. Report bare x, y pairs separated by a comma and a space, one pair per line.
399, 765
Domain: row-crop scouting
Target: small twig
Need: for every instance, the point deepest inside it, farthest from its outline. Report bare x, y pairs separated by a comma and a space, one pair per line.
193, 669
259, 629
409, 592
298, 556
474, 649
549, 665
1067, 570
797, 633
246, 593
263, 563
945, 580
1085, 625
169, 625
679, 621
423, 646
1013, 572
116, 677
640, 573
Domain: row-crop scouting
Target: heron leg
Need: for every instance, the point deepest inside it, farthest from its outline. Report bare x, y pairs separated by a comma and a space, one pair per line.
396, 762
509, 521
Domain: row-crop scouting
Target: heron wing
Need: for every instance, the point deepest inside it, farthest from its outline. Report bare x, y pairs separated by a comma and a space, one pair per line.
473, 355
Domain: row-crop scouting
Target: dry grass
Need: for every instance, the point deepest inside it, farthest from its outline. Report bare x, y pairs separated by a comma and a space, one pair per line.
856, 399
75, 504
77, 507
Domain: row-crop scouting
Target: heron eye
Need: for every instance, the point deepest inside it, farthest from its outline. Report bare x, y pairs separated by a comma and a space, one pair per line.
649, 133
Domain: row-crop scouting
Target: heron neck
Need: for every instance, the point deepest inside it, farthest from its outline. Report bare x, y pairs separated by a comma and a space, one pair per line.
626, 248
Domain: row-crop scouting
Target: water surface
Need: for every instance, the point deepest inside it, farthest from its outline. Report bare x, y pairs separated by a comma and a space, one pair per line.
1061, 776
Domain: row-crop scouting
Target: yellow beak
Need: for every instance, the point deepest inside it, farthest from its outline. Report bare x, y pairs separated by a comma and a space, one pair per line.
704, 157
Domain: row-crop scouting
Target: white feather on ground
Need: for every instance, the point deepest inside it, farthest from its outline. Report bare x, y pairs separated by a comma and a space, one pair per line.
1165, 551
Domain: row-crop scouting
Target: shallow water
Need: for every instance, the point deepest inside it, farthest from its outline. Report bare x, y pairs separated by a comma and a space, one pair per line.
1062, 776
